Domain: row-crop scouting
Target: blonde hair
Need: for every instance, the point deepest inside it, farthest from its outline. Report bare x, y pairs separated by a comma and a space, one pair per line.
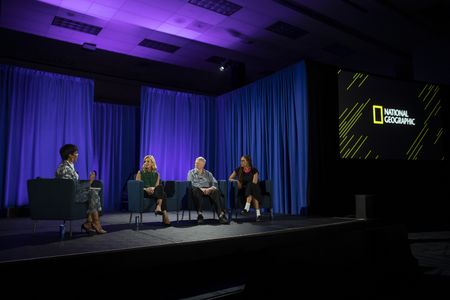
152, 159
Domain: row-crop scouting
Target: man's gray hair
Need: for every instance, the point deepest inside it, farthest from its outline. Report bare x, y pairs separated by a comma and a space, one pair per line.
201, 158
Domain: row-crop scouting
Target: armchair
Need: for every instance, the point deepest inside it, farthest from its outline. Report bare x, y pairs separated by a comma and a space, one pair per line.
223, 190
137, 203
54, 199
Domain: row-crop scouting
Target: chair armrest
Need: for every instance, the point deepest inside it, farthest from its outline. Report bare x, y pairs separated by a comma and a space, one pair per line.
267, 187
54, 199
182, 192
135, 195
223, 188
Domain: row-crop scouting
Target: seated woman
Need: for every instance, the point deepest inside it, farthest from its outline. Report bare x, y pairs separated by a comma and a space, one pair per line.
84, 194
153, 189
248, 188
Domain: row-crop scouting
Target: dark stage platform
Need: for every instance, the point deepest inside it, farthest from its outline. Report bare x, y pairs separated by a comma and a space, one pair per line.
258, 257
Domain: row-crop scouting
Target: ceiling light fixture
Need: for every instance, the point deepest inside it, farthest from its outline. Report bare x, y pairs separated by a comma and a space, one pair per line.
223, 7
225, 65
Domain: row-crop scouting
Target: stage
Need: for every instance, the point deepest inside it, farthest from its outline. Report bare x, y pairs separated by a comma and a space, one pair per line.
246, 256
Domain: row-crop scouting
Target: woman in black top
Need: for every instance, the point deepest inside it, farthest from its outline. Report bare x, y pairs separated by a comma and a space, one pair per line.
247, 180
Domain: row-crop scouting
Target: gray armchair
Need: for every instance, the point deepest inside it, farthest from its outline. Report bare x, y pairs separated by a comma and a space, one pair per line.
54, 199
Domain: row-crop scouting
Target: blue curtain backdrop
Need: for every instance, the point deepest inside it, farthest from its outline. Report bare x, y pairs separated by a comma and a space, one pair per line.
3, 131
268, 121
43, 112
116, 145
176, 128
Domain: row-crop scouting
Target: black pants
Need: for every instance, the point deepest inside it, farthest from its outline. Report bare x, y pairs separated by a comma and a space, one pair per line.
214, 198
251, 189
158, 193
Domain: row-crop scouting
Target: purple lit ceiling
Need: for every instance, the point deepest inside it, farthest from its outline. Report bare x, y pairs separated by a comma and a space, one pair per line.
184, 32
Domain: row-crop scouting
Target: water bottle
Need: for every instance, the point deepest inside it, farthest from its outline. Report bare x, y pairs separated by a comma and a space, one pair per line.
62, 231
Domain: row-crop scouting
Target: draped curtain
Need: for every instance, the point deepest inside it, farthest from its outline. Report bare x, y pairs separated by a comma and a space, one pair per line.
3, 131
116, 143
176, 128
43, 112
268, 121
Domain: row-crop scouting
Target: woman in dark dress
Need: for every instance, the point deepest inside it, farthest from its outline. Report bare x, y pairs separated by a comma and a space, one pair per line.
248, 188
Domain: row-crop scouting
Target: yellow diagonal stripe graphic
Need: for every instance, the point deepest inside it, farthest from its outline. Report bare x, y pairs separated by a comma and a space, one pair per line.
345, 137
422, 91
417, 153
438, 135
349, 113
347, 143
355, 118
363, 81
430, 88
431, 99
357, 149
354, 79
414, 142
439, 108
343, 112
353, 146
426, 120
418, 142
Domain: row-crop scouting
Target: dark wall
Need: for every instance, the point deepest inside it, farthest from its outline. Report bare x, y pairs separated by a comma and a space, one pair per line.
415, 192
117, 77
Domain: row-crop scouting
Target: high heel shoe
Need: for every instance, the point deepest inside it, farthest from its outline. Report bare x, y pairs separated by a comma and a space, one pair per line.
99, 230
158, 212
166, 223
87, 229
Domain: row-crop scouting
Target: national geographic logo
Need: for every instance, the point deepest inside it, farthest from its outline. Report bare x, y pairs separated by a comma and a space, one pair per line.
391, 116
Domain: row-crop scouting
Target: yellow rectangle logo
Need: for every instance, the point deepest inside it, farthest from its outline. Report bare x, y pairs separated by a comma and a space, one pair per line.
377, 114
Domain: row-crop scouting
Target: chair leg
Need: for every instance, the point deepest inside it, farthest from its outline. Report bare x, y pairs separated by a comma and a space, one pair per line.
235, 207
70, 228
178, 214
271, 213
131, 214
141, 219
34, 226
137, 221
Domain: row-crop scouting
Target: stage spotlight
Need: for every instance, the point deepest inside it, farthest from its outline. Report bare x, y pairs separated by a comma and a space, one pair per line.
224, 65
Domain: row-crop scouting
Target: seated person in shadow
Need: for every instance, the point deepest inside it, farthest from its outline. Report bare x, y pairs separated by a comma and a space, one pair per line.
152, 187
204, 184
66, 170
248, 188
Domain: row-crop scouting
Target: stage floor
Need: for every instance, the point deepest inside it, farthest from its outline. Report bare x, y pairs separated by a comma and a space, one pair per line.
18, 242
251, 257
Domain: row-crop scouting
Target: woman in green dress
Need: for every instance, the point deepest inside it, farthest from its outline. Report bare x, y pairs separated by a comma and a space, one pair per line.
152, 187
